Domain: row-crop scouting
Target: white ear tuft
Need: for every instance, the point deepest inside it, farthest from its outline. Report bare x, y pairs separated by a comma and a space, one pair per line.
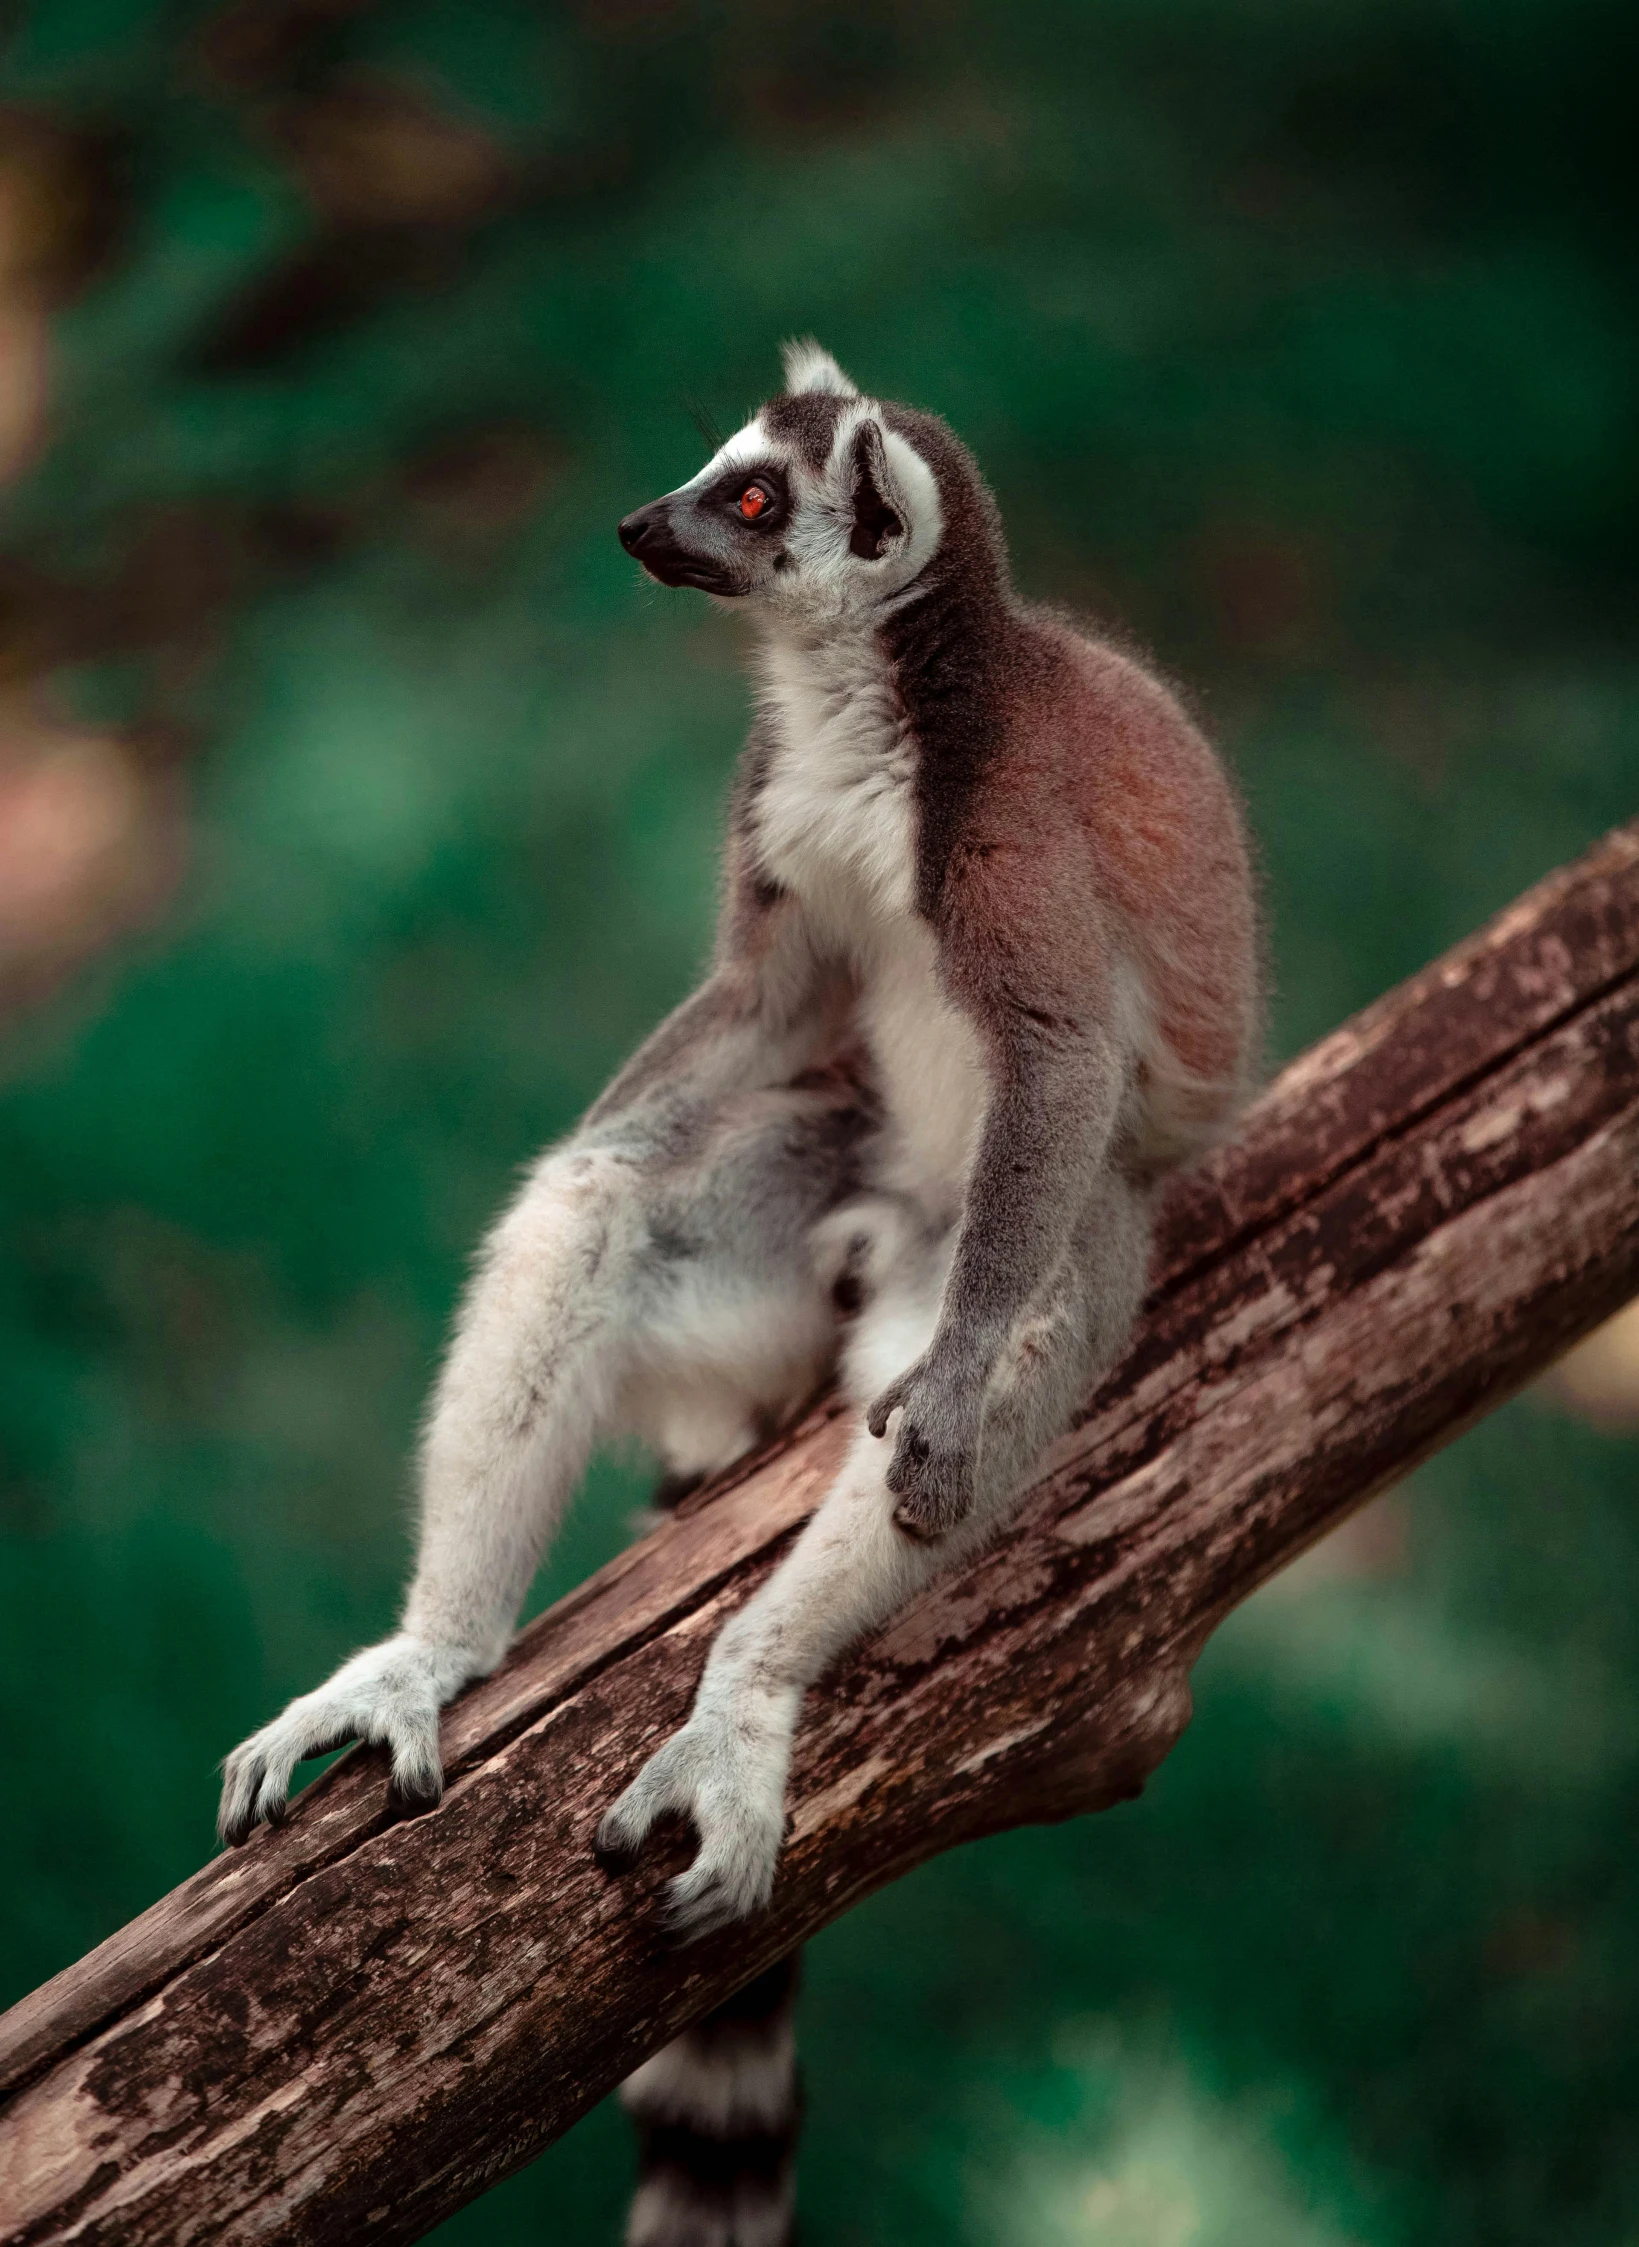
808, 367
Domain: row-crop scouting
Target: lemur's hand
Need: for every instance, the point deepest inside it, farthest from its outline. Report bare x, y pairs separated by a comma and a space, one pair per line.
931, 1473
391, 1693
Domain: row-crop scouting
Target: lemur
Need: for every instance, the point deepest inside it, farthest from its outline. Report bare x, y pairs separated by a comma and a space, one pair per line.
986, 971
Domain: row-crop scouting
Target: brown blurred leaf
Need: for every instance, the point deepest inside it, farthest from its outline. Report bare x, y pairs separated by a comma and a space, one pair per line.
476, 485
374, 153
60, 205
91, 844
258, 42
25, 361
1598, 1381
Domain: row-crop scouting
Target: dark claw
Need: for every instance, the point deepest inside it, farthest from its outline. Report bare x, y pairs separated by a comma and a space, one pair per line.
613, 1854
408, 1799
238, 1829
671, 1490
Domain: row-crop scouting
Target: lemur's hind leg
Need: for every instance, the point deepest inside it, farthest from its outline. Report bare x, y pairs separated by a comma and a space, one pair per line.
853, 1567
736, 1307
660, 1285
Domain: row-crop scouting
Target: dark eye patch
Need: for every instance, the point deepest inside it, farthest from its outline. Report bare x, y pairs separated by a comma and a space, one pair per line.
728, 490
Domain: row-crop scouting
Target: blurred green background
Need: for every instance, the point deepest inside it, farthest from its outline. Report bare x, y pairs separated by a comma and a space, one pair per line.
357, 814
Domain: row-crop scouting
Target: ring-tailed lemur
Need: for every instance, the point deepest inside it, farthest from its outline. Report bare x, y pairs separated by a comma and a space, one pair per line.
986, 970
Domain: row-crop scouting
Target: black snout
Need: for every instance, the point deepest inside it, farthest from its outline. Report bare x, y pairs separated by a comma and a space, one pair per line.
650, 533
641, 525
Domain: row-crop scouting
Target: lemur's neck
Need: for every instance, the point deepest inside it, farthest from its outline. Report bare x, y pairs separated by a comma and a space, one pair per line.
958, 626
956, 657
921, 691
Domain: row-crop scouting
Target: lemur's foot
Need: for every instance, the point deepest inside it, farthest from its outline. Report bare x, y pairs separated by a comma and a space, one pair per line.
391, 1693
728, 1778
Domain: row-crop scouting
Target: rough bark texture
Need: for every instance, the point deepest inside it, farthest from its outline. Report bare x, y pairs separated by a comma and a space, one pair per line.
351, 2026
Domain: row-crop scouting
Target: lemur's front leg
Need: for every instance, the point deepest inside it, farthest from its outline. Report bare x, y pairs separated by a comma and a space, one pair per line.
537, 1358
515, 1415
725, 1771
1044, 1147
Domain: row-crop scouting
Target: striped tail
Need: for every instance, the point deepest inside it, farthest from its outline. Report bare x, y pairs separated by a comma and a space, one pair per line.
717, 2115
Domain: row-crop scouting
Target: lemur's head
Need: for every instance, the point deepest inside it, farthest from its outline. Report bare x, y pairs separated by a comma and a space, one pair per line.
819, 509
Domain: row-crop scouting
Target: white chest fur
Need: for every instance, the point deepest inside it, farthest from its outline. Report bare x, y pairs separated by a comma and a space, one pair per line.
836, 809
836, 826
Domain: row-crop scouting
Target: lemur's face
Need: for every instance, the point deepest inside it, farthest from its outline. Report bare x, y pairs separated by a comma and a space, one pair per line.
816, 510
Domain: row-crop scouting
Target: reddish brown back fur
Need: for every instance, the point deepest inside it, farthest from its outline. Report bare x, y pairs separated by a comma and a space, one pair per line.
1109, 830
1166, 834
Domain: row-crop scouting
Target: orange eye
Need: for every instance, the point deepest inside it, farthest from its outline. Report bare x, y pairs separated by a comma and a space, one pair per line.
752, 502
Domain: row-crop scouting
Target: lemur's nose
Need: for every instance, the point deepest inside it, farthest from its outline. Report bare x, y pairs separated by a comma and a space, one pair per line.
635, 525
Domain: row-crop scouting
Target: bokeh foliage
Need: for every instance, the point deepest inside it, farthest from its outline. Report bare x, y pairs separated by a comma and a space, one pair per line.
1301, 344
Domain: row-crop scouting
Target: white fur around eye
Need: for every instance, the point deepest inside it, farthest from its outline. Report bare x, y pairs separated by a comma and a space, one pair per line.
746, 445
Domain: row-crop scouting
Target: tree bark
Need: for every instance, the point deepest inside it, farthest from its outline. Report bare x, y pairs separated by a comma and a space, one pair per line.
351, 2026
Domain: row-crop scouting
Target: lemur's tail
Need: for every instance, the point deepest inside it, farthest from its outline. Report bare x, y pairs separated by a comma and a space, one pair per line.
717, 2115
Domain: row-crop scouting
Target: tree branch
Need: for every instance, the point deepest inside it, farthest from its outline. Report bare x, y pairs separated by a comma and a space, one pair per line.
351, 2026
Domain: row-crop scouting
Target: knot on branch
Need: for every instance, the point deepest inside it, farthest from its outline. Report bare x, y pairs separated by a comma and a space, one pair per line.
1103, 1756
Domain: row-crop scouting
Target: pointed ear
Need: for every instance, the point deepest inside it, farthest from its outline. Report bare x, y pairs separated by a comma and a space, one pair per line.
879, 512
807, 367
